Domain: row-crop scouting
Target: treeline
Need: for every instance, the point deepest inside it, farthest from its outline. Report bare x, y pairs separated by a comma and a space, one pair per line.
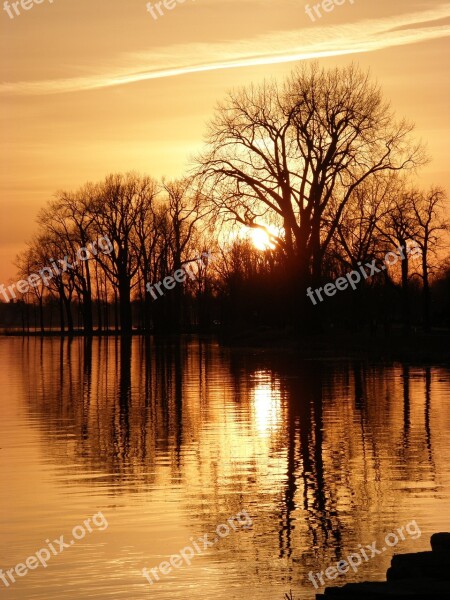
149, 229
318, 165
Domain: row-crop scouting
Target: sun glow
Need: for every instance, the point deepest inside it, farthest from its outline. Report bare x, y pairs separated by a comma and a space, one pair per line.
261, 239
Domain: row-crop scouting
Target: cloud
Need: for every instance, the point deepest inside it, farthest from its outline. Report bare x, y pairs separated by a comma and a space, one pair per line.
272, 48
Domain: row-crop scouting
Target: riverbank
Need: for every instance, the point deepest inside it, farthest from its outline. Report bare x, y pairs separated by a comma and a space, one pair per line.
414, 576
418, 347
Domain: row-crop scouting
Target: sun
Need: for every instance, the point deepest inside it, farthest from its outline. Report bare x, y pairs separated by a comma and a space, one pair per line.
260, 239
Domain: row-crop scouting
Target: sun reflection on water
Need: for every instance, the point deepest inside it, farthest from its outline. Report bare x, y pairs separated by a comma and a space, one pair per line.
266, 397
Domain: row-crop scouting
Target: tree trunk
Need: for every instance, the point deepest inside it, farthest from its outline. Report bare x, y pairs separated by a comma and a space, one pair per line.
405, 297
426, 299
68, 307
41, 314
125, 316
306, 315
61, 313
147, 312
87, 313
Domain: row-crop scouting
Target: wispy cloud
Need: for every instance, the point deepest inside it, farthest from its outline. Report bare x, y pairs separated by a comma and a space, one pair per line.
272, 48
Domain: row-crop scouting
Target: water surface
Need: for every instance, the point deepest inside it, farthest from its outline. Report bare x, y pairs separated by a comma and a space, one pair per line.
170, 440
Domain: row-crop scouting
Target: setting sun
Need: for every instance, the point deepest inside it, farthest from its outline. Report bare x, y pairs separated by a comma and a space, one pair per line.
261, 239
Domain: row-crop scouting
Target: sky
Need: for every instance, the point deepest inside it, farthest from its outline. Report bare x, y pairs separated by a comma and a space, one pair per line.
90, 87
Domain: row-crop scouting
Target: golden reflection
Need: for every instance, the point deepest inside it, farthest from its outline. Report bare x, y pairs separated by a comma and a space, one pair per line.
266, 404
324, 456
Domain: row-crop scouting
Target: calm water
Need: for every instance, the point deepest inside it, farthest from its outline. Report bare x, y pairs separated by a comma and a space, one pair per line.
169, 441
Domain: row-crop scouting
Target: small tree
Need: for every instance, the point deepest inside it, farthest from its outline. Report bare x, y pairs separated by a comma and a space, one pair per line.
428, 209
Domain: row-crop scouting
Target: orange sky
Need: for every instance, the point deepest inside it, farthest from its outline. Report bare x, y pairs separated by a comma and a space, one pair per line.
94, 86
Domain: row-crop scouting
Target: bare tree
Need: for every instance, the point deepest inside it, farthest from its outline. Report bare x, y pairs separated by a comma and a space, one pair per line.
357, 236
186, 208
69, 217
428, 209
120, 202
149, 228
297, 154
49, 245
27, 263
398, 228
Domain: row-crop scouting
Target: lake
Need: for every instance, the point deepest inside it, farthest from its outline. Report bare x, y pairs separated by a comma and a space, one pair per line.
171, 441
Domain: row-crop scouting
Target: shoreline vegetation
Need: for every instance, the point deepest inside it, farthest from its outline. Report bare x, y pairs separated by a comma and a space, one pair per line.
418, 347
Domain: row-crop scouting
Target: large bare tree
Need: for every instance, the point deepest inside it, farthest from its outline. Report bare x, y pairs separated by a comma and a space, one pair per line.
294, 154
